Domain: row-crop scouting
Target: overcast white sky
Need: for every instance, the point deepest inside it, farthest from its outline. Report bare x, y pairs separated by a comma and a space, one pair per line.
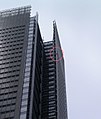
79, 25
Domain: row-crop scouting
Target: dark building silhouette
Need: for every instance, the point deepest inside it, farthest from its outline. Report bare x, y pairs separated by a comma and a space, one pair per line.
32, 75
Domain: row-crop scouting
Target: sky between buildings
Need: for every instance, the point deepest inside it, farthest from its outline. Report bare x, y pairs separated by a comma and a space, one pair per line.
79, 26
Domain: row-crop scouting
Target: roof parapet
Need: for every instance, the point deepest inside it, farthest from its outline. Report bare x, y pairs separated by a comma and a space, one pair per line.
15, 11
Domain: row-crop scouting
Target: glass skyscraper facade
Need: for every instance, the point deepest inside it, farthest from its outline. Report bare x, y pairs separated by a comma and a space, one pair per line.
32, 75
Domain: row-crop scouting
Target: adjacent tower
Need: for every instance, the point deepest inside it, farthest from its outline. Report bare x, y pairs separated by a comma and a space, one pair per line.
53, 82
32, 75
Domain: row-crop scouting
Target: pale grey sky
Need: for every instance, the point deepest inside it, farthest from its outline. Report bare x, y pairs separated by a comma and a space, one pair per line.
79, 25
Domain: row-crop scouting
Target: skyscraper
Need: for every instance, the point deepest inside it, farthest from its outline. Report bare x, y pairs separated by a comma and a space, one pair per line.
32, 75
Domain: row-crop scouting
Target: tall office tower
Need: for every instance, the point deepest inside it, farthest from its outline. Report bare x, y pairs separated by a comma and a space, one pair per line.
53, 81
32, 79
